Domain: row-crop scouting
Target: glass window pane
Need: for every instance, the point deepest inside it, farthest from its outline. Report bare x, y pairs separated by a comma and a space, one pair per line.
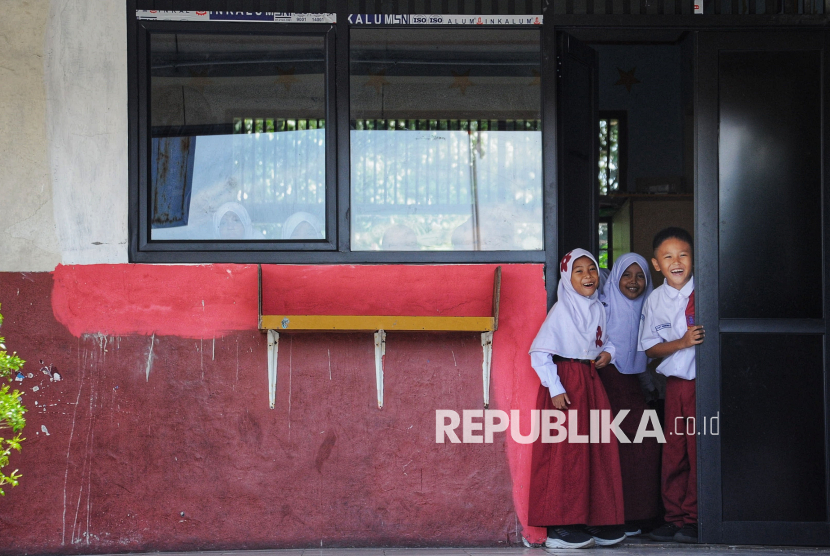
238, 137
603, 244
446, 142
609, 155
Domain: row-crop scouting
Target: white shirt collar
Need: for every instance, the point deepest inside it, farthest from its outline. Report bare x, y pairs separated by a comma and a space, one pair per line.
685, 291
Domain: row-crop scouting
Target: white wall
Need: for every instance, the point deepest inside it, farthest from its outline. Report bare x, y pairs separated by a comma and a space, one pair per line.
28, 239
63, 144
86, 115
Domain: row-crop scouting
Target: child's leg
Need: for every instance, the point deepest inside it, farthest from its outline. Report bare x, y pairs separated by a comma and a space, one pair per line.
559, 478
689, 505
576, 483
675, 472
607, 503
639, 463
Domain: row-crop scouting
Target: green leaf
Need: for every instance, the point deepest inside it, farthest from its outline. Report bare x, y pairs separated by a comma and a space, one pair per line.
11, 414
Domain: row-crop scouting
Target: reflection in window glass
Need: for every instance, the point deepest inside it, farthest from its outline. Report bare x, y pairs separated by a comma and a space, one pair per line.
238, 137
609, 155
446, 143
604, 244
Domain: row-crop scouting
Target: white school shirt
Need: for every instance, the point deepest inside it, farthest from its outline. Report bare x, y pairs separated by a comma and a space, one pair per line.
664, 320
574, 328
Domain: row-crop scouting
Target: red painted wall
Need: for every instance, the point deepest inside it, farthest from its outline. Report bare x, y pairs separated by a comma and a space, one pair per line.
125, 456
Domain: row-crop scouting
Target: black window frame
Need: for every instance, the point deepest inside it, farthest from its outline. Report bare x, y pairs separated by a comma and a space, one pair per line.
335, 249
148, 250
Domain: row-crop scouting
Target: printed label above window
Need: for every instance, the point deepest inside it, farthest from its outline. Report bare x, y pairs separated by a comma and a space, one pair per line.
236, 17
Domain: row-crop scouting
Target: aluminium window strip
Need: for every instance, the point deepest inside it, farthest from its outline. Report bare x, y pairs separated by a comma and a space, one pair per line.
235, 17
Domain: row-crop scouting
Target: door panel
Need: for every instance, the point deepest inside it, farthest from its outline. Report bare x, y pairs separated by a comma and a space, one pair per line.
577, 140
762, 375
770, 184
760, 276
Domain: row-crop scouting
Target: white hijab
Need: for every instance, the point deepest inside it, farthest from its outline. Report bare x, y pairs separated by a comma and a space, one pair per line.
624, 316
298, 218
240, 212
575, 326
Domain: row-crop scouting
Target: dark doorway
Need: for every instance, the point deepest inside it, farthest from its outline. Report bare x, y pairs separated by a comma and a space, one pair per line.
751, 186
644, 134
642, 129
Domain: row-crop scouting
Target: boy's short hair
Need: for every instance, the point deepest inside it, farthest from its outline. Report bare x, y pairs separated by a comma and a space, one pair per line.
672, 232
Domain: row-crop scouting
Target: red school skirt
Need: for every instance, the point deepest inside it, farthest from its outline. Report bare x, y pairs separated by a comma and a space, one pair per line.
576, 483
639, 463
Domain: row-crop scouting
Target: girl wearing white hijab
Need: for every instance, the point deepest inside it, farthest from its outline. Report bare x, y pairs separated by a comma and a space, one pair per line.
625, 291
575, 483
302, 225
231, 221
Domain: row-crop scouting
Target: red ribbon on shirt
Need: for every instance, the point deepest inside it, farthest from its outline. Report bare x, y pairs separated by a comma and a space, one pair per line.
690, 310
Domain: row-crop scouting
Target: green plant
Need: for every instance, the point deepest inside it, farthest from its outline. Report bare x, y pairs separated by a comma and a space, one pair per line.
11, 414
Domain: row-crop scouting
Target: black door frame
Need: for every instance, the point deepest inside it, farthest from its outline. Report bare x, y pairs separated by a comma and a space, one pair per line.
710, 494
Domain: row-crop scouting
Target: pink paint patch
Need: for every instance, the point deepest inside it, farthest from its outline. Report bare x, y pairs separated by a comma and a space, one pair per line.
212, 300
451, 290
203, 301
514, 382
185, 301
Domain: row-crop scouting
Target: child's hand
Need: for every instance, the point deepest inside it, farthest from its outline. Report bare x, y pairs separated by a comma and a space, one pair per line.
561, 402
694, 335
603, 360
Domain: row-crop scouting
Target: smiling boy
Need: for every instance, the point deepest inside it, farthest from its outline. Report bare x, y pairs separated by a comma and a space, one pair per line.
667, 333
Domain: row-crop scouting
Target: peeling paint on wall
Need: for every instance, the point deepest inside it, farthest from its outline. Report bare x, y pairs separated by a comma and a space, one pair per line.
340, 472
168, 301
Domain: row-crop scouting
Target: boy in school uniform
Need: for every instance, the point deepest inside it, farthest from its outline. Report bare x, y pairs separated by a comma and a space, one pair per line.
668, 332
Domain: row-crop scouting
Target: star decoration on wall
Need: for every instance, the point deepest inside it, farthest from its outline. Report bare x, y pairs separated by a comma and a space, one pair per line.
199, 79
286, 78
537, 78
461, 81
377, 81
627, 79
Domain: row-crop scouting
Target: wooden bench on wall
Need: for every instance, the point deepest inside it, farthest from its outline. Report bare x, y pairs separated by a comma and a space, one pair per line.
379, 325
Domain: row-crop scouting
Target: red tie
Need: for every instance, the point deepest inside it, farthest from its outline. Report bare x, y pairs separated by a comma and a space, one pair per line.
690, 310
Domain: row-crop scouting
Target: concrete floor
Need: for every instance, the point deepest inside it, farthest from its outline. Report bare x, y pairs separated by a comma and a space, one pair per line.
626, 549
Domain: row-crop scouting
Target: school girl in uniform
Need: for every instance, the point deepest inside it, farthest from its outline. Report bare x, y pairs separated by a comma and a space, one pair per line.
624, 293
575, 488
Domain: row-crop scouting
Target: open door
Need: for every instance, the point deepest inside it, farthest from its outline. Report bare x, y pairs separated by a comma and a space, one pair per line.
761, 286
577, 149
